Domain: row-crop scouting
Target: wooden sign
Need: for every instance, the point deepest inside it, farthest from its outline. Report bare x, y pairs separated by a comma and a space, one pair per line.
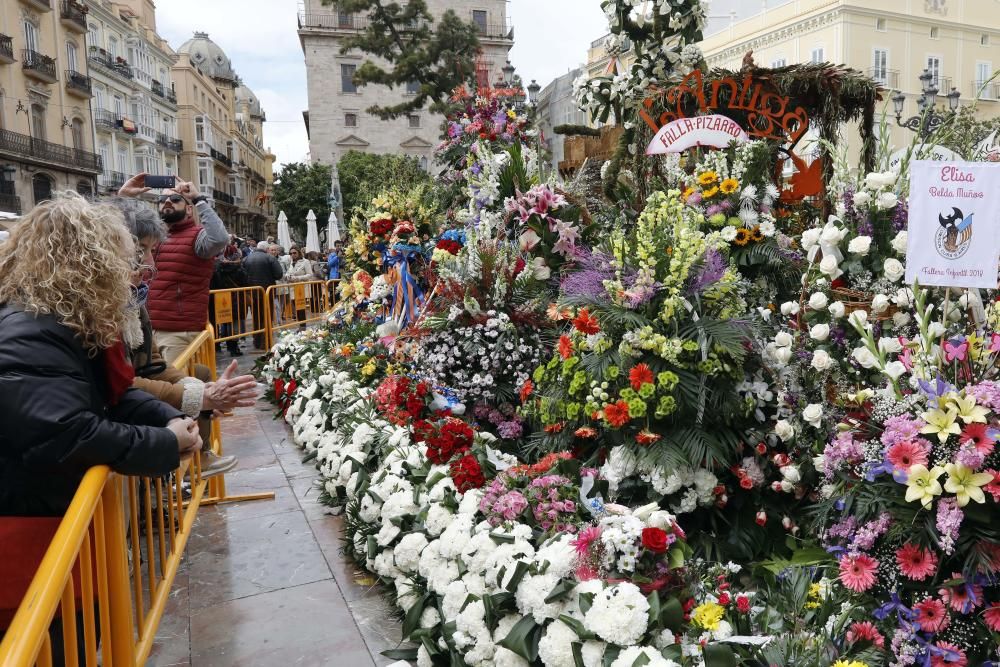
769, 115
714, 131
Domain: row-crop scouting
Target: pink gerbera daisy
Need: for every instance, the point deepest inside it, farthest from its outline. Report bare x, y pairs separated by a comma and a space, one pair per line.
949, 655
858, 572
904, 454
585, 538
931, 615
992, 617
865, 631
980, 435
962, 598
916, 563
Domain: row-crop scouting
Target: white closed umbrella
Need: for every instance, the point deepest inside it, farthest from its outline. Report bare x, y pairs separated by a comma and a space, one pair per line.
284, 237
312, 234
332, 230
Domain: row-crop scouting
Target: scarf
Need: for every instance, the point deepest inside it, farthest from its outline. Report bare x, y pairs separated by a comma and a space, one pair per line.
117, 371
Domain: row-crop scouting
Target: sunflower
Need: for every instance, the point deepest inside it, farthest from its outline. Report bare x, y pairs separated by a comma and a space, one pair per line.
729, 186
742, 236
755, 234
711, 192
687, 193
707, 177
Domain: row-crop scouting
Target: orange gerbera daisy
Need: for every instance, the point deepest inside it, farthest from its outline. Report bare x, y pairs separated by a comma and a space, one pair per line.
586, 323
647, 437
554, 428
616, 414
526, 389
565, 347
640, 375
585, 432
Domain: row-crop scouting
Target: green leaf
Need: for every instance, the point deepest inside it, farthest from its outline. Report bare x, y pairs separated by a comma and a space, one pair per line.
577, 626
641, 660
577, 648
408, 654
719, 655
523, 639
671, 614
586, 602
515, 579
559, 591
610, 654
412, 619
654, 609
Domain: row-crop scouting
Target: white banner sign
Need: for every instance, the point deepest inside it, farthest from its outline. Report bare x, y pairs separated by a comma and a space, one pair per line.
953, 237
714, 131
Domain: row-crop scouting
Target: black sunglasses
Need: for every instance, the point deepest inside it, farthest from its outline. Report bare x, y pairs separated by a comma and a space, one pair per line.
174, 199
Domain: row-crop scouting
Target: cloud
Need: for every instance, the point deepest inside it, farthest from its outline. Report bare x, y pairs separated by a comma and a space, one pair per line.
551, 37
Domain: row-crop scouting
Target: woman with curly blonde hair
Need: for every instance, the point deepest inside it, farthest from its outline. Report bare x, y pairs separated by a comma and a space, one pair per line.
66, 307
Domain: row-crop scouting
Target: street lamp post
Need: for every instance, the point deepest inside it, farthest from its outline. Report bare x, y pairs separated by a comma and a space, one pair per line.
928, 120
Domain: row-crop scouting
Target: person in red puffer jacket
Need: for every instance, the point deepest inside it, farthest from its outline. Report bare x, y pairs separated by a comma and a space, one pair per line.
178, 296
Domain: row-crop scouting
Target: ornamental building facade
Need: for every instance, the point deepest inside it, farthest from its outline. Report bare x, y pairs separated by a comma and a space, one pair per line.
337, 120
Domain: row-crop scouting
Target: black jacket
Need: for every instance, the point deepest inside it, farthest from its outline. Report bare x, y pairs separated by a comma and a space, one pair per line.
56, 424
262, 269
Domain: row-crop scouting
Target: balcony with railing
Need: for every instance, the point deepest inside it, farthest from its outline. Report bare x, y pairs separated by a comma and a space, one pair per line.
887, 78
111, 180
495, 31
38, 66
118, 67
106, 120
985, 89
222, 196
942, 83
78, 83
171, 96
221, 157
175, 145
74, 16
7, 49
46, 153
156, 87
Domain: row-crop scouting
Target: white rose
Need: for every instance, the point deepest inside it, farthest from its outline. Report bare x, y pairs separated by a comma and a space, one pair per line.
894, 369
893, 269
790, 308
890, 345
810, 238
859, 319
784, 430
819, 332
830, 267
783, 339
899, 242
860, 245
880, 303
832, 234
783, 355
888, 178
813, 414
887, 200
901, 319
822, 360
864, 357
903, 297
837, 309
818, 301
873, 181
791, 474
862, 199
935, 329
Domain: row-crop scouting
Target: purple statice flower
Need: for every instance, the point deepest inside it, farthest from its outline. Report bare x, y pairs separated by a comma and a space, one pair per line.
510, 430
948, 522
713, 268
865, 538
843, 529
848, 200
838, 335
900, 215
588, 280
901, 429
986, 393
865, 227
970, 457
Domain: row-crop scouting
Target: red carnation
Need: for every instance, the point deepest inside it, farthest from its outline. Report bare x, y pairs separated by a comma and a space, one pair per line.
654, 539
586, 323
467, 473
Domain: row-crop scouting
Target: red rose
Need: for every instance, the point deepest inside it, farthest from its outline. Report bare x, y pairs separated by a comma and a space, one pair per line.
743, 604
654, 539
724, 599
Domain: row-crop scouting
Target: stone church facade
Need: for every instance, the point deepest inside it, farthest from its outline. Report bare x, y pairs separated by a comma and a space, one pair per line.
337, 121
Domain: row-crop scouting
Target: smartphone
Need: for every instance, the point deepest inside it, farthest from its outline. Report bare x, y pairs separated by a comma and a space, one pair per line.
161, 182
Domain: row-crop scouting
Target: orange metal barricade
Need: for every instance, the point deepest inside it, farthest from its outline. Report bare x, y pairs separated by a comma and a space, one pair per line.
120, 543
295, 305
238, 313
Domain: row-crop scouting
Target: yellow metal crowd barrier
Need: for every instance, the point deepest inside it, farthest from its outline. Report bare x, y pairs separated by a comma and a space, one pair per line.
242, 312
105, 578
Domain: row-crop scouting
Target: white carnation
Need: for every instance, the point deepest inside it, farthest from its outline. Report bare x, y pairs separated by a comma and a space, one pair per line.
618, 614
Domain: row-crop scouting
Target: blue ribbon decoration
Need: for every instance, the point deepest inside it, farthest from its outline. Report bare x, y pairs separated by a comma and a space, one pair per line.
407, 298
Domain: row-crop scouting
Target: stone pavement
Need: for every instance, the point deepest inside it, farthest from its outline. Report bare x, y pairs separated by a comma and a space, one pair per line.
263, 582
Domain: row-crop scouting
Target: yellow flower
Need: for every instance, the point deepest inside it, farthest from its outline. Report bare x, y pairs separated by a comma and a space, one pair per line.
742, 236
711, 192
707, 615
729, 186
369, 369
707, 177
941, 422
923, 485
965, 484
687, 193
967, 409
852, 663
511, 114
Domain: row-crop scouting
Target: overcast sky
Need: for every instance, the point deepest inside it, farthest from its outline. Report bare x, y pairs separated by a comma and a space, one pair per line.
259, 36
